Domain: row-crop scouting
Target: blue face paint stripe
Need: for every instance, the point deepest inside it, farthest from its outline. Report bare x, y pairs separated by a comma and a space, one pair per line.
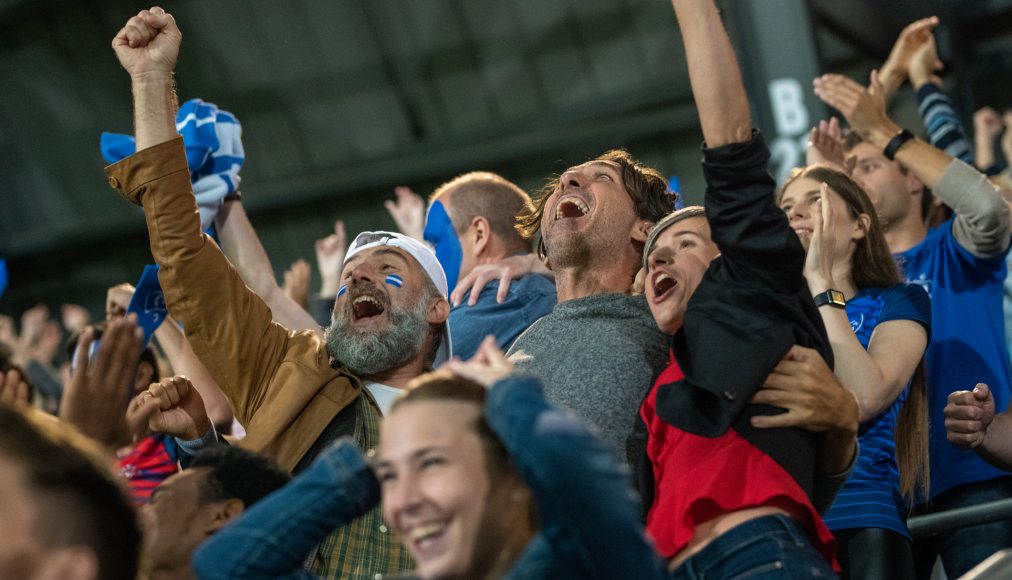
342, 290
395, 280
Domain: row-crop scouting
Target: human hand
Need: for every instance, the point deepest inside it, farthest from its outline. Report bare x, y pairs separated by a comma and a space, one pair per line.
148, 44
117, 300
987, 123
8, 335
863, 108
821, 256
33, 322
1006, 138
14, 389
487, 367
896, 67
178, 408
408, 212
505, 270
95, 398
48, 344
825, 144
924, 64
330, 252
296, 285
803, 384
968, 414
74, 317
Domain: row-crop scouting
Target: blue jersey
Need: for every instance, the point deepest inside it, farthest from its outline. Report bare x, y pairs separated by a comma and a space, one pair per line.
967, 342
871, 497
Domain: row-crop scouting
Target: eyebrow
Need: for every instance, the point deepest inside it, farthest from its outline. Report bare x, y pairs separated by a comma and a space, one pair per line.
380, 252
414, 455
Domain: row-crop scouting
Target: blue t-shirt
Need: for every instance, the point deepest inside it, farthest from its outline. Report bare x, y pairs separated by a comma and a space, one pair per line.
967, 342
529, 298
871, 498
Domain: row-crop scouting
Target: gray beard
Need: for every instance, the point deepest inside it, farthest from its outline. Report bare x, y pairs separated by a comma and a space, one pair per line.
371, 352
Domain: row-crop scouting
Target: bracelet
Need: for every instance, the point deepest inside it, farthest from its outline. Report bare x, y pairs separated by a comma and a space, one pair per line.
895, 143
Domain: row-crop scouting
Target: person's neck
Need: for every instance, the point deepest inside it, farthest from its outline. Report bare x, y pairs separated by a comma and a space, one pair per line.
583, 281
399, 377
905, 233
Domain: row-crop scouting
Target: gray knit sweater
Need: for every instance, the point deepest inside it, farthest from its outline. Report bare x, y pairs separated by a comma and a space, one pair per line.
598, 357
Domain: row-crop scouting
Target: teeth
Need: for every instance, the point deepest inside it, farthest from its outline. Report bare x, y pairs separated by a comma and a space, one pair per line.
365, 298
584, 209
421, 533
661, 277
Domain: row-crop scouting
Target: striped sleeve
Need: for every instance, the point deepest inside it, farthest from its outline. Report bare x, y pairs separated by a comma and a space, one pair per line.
943, 126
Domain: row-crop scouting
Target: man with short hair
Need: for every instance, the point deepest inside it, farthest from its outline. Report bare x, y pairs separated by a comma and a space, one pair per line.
471, 222
293, 391
599, 350
62, 514
961, 264
188, 507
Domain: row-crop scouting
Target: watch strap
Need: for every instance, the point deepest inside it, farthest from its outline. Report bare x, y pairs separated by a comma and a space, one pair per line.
832, 298
895, 143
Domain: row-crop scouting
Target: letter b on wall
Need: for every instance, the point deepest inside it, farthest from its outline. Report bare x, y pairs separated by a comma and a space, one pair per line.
788, 104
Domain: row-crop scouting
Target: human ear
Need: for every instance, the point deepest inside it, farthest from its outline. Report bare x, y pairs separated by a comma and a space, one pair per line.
641, 230
482, 233
439, 311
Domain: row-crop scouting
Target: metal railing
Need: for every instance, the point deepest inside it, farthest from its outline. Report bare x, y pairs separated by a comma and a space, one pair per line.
985, 513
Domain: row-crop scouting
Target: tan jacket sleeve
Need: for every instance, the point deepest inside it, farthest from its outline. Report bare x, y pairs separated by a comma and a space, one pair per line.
229, 327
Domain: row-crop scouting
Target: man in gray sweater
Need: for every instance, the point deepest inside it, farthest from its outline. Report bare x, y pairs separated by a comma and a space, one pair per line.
599, 350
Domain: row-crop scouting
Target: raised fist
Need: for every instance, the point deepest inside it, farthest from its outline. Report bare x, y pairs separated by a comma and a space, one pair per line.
148, 43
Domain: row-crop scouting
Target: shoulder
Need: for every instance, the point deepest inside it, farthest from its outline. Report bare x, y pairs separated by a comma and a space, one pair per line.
906, 302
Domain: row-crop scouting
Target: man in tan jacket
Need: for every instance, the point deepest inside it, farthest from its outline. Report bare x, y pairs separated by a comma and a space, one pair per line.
294, 392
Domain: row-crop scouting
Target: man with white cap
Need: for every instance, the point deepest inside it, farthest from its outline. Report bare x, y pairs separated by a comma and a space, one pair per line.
293, 391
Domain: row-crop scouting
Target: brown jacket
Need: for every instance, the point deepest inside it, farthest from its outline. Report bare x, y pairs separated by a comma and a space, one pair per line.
280, 383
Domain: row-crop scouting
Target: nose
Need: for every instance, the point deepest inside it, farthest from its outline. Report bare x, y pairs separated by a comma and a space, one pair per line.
572, 179
400, 498
658, 259
363, 272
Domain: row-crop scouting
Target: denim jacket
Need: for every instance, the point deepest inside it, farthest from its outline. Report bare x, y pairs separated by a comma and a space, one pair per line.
588, 513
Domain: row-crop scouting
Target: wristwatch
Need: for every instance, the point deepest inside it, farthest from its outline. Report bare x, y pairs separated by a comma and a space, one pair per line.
895, 143
832, 298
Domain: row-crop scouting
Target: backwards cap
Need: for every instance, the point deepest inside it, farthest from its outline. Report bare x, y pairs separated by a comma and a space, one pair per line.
425, 258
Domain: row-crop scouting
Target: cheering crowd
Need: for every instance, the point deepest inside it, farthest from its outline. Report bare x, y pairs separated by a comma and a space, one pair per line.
583, 383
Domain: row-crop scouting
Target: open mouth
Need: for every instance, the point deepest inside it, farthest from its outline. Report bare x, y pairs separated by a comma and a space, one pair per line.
571, 208
663, 285
803, 232
425, 538
365, 306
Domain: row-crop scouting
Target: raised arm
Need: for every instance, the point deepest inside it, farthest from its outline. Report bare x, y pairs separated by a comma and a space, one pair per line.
714, 74
242, 247
982, 218
228, 326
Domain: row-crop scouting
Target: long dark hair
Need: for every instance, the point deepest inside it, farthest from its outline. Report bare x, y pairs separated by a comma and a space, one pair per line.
873, 266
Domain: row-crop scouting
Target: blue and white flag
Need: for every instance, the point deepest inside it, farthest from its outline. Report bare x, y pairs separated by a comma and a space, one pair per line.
214, 152
148, 303
395, 280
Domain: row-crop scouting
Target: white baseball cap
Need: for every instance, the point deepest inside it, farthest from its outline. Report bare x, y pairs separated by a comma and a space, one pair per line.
425, 257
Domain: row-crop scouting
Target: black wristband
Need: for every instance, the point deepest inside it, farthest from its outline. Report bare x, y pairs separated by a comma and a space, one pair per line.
830, 297
895, 143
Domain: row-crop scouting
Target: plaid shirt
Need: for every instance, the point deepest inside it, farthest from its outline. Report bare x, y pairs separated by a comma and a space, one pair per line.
365, 549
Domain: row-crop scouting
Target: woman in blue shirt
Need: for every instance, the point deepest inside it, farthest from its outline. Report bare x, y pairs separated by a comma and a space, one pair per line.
878, 328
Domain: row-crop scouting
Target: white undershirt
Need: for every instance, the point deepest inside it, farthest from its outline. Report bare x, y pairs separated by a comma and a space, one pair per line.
384, 395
